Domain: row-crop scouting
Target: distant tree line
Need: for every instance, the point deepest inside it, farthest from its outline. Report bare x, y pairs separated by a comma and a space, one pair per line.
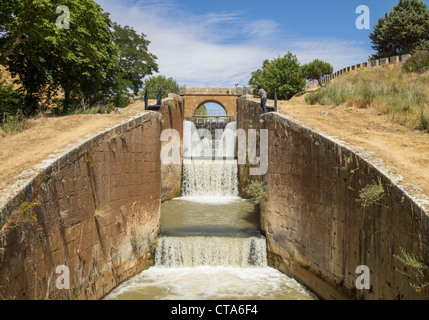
405, 29
285, 76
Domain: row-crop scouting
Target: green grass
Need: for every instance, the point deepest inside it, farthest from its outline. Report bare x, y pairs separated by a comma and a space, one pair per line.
371, 194
256, 192
401, 96
13, 123
415, 269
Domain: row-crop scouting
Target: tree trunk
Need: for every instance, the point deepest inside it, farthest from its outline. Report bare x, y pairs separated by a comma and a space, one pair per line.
19, 40
66, 104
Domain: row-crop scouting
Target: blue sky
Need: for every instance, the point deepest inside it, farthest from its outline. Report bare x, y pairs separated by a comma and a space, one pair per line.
219, 43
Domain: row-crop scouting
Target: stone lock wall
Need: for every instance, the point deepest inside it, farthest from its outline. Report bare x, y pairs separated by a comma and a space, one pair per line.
318, 230
172, 111
248, 117
95, 211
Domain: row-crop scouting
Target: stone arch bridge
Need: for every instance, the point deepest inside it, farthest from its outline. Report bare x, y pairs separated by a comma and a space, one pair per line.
226, 97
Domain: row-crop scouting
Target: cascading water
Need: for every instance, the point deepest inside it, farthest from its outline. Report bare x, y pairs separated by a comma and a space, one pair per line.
175, 252
210, 246
214, 178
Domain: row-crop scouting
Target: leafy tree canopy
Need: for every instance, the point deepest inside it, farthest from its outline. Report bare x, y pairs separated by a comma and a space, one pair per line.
77, 58
283, 74
405, 29
155, 83
316, 69
135, 61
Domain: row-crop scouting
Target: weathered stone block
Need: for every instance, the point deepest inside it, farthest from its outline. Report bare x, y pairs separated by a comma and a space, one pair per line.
375, 63
405, 57
395, 59
78, 191
384, 61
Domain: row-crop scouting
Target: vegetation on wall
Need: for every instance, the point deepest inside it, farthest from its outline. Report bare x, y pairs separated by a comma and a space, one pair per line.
256, 192
371, 194
415, 269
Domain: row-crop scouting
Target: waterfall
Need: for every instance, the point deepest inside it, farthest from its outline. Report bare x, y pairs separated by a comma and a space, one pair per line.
174, 252
200, 144
214, 178
209, 168
210, 246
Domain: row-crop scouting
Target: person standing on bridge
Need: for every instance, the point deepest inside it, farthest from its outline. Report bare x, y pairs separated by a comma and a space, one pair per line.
263, 95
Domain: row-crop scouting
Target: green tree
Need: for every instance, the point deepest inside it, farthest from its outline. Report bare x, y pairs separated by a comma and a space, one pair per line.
10, 100
316, 69
83, 55
403, 30
77, 59
135, 61
155, 83
201, 111
25, 20
283, 74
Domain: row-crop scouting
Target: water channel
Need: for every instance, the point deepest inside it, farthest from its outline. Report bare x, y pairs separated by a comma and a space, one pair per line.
210, 246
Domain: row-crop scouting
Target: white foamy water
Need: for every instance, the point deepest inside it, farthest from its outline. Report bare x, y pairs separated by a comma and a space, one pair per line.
211, 283
210, 178
174, 252
210, 247
210, 199
199, 143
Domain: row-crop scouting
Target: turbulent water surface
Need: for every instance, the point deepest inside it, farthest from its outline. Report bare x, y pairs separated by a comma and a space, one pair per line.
210, 245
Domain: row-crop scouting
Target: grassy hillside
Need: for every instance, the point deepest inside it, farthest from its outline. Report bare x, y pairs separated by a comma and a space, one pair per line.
391, 91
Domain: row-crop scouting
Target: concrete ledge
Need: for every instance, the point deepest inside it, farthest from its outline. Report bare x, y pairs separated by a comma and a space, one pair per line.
216, 91
375, 63
405, 57
395, 59
384, 61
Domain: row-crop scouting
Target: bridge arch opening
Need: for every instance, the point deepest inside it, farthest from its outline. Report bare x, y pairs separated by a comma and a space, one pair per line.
212, 107
215, 129
211, 115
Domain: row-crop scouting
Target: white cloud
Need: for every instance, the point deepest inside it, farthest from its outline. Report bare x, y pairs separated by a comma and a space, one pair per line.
219, 48
339, 53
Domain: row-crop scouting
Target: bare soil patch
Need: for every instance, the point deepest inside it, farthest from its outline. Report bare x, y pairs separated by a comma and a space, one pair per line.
46, 135
406, 150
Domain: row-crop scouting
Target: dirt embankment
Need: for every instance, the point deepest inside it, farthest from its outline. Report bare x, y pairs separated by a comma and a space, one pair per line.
397, 146
48, 135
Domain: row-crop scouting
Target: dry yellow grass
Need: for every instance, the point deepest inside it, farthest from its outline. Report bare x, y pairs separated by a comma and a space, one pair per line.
45, 135
406, 150
399, 147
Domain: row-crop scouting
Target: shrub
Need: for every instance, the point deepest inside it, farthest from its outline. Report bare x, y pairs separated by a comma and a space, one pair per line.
256, 192
371, 194
10, 100
419, 62
415, 269
13, 123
